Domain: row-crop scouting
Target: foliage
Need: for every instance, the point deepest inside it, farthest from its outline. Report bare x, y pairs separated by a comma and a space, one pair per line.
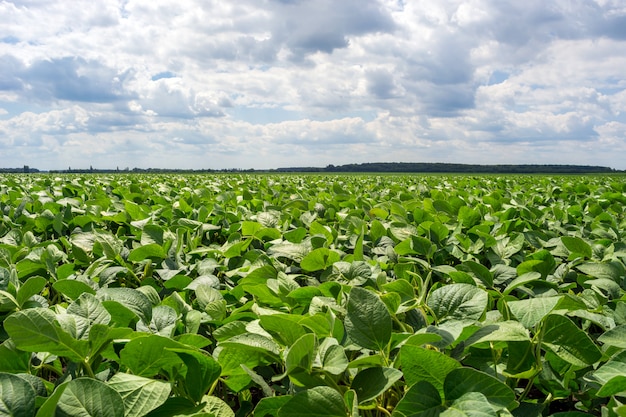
295, 295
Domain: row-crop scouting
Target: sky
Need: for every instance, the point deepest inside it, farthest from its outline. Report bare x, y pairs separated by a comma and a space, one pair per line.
219, 84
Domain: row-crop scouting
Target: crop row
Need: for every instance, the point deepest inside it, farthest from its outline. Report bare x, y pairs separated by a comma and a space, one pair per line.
296, 295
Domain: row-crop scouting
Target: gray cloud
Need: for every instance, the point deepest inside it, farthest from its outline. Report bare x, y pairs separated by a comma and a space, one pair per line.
73, 79
283, 82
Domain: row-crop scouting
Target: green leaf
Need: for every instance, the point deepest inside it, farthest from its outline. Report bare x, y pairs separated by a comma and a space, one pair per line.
471, 404
319, 259
421, 400
32, 286
568, 342
531, 311
368, 322
285, 330
506, 331
152, 251
86, 397
612, 271
202, 372
481, 272
140, 395
458, 301
17, 396
614, 337
461, 381
13, 360
131, 298
163, 322
611, 375
269, 406
419, 364
335, 360
147, 356
37, 330
152, 233
577, 246
300, 354
372, 382
90, 308
615, 385
522, 280
72, 288
216, 407
315, 402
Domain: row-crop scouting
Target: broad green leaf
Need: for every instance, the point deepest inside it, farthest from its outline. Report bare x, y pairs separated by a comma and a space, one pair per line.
577, 246
613, 271
421, 400
150, 251
253, 341
202, 372
121, 316
368, 322
481, 272
611, 375
301, 353
215, 407
90, 308
420, 364
17, 396
315, 402
163, 322
352, 403
319, 259
140, 395
471, 404
614, 337
72, 288
541, 261
285, 330
32, 286
522, 280
461, 381
7, 302
86, 397
151, 234
13, 360
613, 386
568, 342
131, 298
49, 406
531, 311
372, 382
335, 360
178, 407
37, 330
506, 331
458, 301
269, 406
148, 356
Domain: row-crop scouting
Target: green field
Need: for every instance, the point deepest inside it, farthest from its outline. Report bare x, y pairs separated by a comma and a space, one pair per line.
312, 295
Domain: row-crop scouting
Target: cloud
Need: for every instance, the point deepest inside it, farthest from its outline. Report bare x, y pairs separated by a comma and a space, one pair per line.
298, 82
68, 79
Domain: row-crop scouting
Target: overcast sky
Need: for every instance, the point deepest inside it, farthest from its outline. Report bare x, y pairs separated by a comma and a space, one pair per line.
278, 83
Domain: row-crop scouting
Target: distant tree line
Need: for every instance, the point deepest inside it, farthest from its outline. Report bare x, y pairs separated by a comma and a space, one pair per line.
24, 170
375, 167
436, 167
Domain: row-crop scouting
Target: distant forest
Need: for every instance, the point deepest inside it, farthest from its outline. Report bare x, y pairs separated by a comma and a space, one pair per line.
373, 167
426, 167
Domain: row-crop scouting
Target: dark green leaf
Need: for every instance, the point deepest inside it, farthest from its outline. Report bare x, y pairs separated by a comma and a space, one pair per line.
372, 382
315, 402
368, 322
